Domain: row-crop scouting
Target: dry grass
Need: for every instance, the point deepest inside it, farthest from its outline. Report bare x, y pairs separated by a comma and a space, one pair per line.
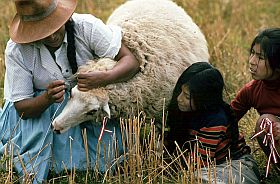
142, 161
229, 27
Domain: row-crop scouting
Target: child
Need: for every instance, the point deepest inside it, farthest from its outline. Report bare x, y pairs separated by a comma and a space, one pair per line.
197, 111
263, 92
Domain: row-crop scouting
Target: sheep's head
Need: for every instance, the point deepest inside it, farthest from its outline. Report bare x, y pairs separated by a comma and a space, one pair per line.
82, 106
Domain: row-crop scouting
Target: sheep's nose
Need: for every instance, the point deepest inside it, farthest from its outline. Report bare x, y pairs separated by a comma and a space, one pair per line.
55, 131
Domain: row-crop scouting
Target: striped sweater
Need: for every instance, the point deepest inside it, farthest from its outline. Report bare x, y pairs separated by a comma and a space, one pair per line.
214, 143
214, 136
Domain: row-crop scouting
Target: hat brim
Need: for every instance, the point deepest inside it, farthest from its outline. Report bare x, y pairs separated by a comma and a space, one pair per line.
30, 31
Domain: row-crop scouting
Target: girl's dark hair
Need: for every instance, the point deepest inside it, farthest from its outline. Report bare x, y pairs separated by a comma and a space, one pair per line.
71, 48
269, 40
206, 86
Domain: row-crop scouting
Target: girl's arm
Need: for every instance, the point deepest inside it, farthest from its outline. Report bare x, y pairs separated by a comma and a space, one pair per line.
241, 103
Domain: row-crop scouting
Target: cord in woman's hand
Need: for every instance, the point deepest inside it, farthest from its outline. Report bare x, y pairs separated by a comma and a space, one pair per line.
56, 91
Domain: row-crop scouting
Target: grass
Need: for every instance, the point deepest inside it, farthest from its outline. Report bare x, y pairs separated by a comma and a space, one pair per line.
229, 27
143, 162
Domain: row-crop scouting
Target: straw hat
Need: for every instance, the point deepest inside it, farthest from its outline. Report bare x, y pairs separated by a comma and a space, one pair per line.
37, 19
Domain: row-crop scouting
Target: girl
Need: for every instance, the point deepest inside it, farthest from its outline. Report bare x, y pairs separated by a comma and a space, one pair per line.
263, 92
197, 111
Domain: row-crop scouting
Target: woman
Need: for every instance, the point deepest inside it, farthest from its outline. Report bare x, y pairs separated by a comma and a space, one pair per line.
48, 43
198, 116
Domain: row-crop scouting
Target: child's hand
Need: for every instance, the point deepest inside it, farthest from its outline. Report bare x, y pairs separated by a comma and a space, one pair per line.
276, 130
56, 90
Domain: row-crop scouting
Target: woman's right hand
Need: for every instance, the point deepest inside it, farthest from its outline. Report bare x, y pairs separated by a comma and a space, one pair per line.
34, 107
56, 91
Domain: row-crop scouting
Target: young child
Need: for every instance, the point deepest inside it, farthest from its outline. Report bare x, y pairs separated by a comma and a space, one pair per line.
263, 92
198, 111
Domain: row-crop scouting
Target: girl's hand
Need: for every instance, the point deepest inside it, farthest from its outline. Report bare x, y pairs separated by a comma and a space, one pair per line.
90, 80
276, 130
56, 90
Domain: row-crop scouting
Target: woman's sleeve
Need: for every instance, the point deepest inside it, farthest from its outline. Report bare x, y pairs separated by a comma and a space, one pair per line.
104, 40
18, 83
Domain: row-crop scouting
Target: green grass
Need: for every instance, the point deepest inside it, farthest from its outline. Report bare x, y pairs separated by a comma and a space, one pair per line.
229, 27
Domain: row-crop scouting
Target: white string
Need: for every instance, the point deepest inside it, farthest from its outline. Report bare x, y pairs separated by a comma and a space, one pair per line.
48, 130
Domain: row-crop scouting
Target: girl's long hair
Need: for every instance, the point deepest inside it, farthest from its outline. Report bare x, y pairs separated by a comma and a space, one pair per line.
206, 86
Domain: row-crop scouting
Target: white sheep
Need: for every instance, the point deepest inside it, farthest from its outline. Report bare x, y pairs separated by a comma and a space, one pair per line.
165, 41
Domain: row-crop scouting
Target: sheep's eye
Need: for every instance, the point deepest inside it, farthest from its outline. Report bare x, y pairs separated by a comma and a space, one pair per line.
91, 112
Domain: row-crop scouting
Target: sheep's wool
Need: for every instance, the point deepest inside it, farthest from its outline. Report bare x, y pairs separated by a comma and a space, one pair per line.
165, 40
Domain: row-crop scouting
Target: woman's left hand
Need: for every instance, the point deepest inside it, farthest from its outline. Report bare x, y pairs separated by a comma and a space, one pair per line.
90, 80
126, 67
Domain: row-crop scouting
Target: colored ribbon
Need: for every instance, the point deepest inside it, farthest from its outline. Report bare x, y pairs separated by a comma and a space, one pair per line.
266, 127
103, 128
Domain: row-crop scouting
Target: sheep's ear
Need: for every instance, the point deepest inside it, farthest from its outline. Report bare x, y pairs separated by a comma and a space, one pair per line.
107, 109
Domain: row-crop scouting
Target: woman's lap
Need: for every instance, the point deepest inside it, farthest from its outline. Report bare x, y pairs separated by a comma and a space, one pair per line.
32, 136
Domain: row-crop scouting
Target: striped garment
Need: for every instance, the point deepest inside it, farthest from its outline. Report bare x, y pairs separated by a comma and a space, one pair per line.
213, 131
214, 142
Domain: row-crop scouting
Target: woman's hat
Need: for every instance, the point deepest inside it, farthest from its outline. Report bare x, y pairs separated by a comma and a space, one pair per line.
38, 19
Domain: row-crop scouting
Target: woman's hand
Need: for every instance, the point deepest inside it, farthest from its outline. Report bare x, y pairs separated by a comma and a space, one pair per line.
56, 91
126, 67
34, 107
90, 80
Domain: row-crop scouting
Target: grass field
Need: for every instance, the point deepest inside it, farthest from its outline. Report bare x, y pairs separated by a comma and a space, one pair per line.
229, 27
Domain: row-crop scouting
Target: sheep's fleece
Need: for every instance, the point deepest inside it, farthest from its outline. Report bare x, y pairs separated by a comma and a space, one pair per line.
165, 41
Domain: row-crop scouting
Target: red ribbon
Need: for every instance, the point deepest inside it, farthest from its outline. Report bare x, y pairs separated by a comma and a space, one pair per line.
103, 128
268, 140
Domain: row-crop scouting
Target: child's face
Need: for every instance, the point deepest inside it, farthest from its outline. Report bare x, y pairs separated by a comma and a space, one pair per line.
184, 101
259, 67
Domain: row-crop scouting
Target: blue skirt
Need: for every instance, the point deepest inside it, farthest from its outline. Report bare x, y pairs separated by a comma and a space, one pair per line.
33, 143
